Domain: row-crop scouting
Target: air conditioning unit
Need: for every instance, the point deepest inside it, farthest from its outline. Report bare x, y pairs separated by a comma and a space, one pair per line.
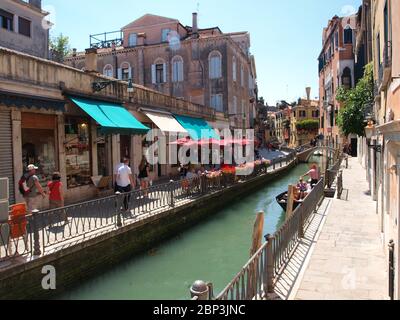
4, 194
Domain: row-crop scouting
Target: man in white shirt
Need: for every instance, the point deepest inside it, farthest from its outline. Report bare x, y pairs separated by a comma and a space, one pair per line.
125, 181
116, 168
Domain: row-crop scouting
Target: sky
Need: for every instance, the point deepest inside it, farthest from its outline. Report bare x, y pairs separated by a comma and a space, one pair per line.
286, 35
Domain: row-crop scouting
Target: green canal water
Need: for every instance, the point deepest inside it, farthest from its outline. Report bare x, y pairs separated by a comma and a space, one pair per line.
215, 250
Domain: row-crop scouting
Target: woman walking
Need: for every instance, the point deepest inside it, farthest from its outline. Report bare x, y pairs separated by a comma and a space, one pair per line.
144, 173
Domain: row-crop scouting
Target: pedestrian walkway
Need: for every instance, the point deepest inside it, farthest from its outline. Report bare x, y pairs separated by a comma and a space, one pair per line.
347, 261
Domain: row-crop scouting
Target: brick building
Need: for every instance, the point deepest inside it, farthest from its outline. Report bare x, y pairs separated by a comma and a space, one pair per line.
336, 68
204, 66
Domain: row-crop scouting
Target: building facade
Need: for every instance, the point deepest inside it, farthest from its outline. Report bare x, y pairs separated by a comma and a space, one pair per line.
46, 119
336, 69
23, 27
204, 66
304, 122
380, 149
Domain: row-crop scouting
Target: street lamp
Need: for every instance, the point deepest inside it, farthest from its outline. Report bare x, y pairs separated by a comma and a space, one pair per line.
369, 133
97, 86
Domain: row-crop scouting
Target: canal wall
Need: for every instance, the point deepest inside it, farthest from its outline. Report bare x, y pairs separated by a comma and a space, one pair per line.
81, 261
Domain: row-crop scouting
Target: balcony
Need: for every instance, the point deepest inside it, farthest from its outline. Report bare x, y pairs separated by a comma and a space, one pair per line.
385, 69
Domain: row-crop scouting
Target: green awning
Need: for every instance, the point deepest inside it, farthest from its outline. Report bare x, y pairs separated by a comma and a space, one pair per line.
198, 129
113, 118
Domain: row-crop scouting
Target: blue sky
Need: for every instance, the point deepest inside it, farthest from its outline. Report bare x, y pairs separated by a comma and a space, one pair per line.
285, 34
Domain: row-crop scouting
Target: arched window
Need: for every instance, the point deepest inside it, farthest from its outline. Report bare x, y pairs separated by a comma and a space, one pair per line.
234, 69
125, 71
159, 72
108, 71
177, 69
215, 65
346, 78
348, 35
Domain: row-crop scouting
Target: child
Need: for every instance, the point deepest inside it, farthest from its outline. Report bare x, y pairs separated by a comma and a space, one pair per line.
56, 195
303, 187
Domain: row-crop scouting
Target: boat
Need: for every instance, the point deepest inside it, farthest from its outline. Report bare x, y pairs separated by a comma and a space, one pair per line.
318, 153
282, 201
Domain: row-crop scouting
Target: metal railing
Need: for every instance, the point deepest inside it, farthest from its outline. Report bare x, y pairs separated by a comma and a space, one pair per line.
256, 279
49, 230
340, 184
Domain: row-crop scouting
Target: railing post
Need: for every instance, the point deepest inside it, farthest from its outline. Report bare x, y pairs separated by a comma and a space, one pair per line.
36, 237
391, 270
301, 223
201, 290
171, 194
270, 264
118, 203
203, 184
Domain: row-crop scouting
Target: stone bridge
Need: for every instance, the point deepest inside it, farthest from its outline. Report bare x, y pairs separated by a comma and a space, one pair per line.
305, 155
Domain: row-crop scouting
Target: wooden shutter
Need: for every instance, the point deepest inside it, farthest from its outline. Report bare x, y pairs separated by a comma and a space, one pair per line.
130, 73
180, 71
153, 74
120, 73
164, 72
6, 152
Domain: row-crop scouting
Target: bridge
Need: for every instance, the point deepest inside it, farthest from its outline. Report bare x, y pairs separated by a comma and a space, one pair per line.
308, 151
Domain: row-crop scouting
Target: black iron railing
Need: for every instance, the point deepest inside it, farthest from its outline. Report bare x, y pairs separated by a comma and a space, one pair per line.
51, 230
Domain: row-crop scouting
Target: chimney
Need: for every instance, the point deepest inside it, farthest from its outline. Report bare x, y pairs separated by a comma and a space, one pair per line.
74, 51
195, 28
308, 91
36, 3
91, 60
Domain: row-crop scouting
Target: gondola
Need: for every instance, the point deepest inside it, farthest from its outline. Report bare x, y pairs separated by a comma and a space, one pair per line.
282, 201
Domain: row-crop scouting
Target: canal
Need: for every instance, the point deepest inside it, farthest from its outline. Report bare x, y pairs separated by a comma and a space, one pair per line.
214, 250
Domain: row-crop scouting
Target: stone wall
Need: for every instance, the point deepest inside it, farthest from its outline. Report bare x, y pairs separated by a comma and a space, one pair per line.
82, 261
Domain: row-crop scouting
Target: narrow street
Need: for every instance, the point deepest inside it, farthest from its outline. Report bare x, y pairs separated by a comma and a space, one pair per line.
342, 256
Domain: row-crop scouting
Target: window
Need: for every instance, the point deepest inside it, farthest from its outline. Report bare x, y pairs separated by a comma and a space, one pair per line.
159, 72
132, 40
337, 40
346, 78
164, 35
215, 65
108, 71
217, 102
294, 114
250, 81
24, 27
302, 114
234, 69
125, 72
77, 151
177, 69
348, 35
6, 20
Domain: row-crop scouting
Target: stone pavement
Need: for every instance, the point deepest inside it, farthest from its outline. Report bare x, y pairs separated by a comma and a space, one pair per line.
348, 261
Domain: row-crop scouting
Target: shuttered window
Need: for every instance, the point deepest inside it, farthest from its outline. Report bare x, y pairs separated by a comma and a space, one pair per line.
6, 152
177, 69
24, 27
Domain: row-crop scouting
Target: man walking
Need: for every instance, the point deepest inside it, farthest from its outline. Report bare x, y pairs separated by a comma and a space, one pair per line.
32, 198
125, 181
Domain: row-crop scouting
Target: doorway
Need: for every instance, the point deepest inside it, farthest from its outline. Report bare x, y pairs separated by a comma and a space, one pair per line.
354, 146
125, 145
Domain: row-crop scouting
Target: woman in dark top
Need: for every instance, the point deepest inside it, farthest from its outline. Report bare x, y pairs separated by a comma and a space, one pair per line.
144, 173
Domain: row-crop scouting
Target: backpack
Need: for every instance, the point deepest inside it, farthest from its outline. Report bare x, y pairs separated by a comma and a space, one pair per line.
23, 185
